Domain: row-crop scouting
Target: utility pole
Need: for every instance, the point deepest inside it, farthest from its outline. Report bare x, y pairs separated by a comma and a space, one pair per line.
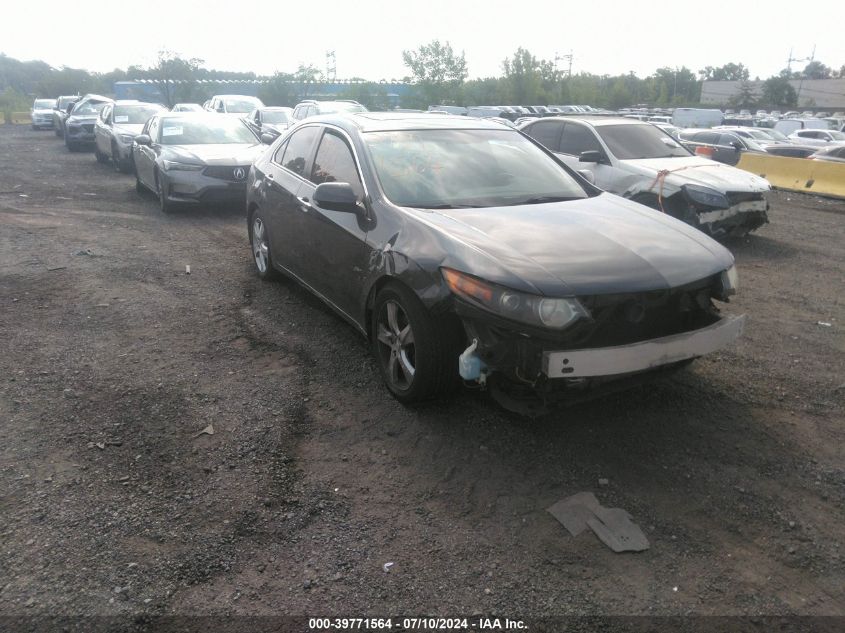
331, 66
809, 60
565, 57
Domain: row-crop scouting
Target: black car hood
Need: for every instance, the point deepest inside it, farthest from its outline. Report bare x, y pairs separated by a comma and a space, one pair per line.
599, 245
222, 154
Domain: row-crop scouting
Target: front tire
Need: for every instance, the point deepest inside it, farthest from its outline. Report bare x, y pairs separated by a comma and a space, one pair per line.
120, 166
101, 158
164, 204
417, 352
259, 240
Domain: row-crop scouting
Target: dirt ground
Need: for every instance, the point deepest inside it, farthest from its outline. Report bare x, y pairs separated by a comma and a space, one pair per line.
113, 501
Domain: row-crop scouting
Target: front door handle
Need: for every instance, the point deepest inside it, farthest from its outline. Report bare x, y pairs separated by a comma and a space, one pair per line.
304, 204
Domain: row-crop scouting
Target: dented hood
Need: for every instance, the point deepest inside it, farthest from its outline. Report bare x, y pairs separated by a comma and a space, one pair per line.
598, 245
698, 171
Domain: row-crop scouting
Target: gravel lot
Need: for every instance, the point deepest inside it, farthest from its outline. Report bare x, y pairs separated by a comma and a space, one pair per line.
113, 502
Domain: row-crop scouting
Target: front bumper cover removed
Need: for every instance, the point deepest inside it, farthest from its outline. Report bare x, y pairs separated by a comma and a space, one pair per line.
643, 356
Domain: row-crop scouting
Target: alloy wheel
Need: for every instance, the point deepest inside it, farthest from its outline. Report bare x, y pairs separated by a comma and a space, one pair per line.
396, 345
260, 247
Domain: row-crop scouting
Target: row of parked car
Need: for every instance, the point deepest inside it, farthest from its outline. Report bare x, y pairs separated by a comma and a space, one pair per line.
726, 144
550, 260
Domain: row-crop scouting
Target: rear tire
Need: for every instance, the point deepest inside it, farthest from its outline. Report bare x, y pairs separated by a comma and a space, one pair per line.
259, 241
417, 352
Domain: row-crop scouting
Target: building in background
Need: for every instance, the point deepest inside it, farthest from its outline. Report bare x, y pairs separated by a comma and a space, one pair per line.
814, 94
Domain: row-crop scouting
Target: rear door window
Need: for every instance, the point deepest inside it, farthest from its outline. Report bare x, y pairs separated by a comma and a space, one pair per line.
298, 150
547, 133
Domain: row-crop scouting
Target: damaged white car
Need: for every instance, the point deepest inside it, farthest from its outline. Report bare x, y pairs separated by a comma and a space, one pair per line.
639, 161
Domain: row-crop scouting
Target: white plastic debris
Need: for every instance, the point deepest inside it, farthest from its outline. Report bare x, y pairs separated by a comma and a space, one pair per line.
187, 270
386, 567
209, 430
824, 324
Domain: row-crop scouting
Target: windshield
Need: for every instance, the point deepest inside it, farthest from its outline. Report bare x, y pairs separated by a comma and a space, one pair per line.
639, 141
466, 168
837, 136
778, 136
87, 108
187, 107
44, 104
757, 134
65, 102
331, 108
275, 116
241, 105
204, 131
134, 114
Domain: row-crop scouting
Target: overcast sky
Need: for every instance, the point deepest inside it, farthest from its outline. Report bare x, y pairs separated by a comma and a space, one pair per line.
368, 36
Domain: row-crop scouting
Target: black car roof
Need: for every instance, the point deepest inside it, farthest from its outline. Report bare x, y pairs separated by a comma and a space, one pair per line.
390, 121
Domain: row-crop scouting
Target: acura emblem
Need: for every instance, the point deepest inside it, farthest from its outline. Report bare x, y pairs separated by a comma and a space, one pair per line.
239, 173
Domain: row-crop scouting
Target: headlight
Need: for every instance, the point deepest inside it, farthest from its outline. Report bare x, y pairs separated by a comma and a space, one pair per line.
553, 313
127, 138
170, 165
706, 197
730, 281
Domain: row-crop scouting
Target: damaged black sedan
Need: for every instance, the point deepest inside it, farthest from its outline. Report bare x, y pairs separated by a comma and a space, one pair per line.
465, 250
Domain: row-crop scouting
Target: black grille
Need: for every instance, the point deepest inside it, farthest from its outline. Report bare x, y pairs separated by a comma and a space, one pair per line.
88, 127
225, 172
630, 318
735, 197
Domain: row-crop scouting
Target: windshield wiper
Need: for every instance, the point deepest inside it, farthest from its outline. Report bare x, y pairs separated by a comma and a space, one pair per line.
447, 206
544, 199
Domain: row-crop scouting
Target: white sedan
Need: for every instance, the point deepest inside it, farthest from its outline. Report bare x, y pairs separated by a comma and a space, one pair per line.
639, 161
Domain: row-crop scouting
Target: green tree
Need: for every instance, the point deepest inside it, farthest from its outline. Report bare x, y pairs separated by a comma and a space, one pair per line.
279, 90
369, 94
816, 70
437, 71
523, 79
728, 72
745, 98
305, 77
778, 92
483, 91
176, 77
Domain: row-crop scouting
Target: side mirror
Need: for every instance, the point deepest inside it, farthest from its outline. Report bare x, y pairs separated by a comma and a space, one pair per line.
588, 175
336, 196
143, 139
267, 138
592, 156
